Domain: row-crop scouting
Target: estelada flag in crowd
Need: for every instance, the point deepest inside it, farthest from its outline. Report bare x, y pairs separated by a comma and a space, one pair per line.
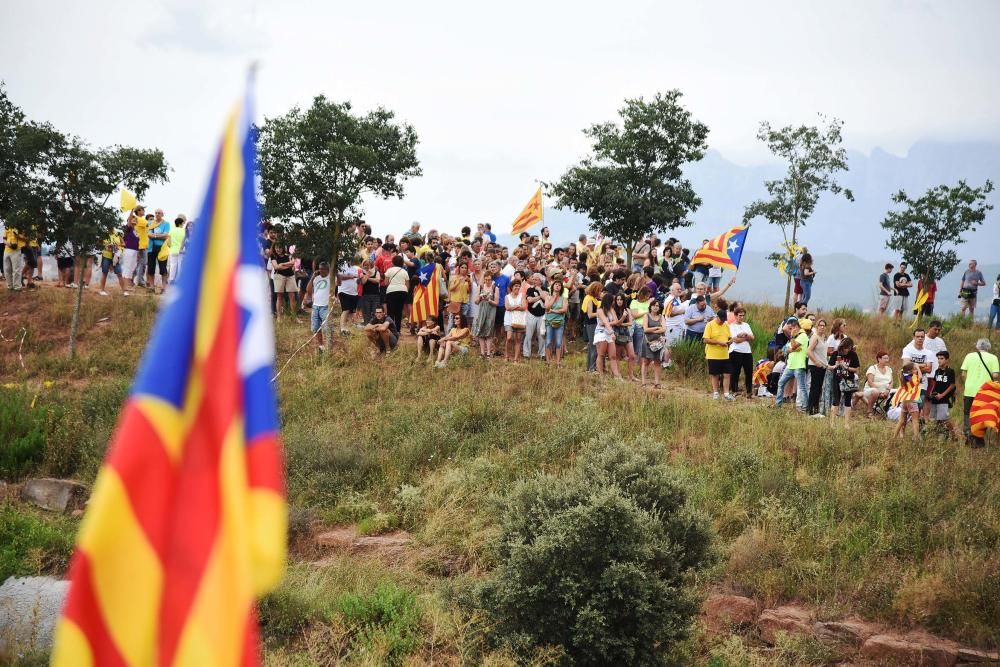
531, 214
909, 390
761, 370
426, 295
187, 521
985, 411
724, 251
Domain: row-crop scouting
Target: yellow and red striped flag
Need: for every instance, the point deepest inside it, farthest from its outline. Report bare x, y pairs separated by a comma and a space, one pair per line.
531, 214
985, 411
724, 251
908, 391
427, 293
186, 526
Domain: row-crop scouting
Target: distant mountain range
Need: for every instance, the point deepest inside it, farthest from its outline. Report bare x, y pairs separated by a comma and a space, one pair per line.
846, 238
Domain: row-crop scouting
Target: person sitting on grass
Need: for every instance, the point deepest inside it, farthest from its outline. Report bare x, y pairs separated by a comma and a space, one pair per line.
907, 399
428, 335
456, 340
943, 395
382, 332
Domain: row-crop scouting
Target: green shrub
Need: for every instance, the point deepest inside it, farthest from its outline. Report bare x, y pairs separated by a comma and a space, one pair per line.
22, 434
688, 357
31, 544
596, 562
387, 620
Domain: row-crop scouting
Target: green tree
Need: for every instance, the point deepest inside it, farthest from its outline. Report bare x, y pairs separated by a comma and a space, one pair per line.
633, 182
929, 228
317, 165
82, 183
814, 156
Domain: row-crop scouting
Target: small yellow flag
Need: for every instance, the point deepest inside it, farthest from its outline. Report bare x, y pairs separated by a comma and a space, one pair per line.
129, 201
531, 214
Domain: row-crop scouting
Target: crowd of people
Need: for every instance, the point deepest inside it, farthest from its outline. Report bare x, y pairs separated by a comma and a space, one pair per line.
147, 244
533, 300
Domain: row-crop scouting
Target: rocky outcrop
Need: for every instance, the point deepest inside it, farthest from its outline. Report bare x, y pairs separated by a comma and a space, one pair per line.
55, 495
391, 546
29, 609
722, 613
914, 649
790, 619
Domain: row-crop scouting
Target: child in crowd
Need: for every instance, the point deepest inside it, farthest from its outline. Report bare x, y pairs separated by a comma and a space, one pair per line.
907, 398
943, 394
428, 335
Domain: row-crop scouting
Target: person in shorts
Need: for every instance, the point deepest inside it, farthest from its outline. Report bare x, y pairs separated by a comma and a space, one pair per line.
111, 261
885, 289
943, 395
283, 278
908, 399
428, 336
902, 282
318, 290
972, 280
347, 293
717, 338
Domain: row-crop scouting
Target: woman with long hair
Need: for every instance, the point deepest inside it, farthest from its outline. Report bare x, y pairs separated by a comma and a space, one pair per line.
838, 331
653, 329
604, 335
817, 365
457, 340
588, 312
806, 276
844, 366
623, 334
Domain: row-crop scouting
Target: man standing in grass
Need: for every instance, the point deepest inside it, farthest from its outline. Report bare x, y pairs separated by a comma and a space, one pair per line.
972, 280
903, 282
319, 290
885, 290
717, 338
978, 367
796, 366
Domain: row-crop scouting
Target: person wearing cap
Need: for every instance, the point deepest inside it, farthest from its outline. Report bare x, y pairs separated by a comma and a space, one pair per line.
697, 316
795, 368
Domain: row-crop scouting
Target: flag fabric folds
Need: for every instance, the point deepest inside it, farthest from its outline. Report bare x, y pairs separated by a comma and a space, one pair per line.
531, 214
128, 201
187, 520
724, 251
761, 370
908, 391
427, 293
985, 411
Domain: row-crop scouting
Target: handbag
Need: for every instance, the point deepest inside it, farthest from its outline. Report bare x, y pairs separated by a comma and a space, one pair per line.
518, 320
454, 307
848, 385
622, 336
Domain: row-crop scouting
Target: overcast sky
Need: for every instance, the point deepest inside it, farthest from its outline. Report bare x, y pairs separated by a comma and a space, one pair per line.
498, 92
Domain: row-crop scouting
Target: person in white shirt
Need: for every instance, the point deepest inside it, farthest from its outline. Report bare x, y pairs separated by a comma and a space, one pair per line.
319, 290
347, 293
740, 352
918, 353
879, 380
674, 309
933, 341
994, 308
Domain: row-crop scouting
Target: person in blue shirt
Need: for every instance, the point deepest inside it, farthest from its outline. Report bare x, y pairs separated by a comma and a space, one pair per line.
159, 231
502, 282
698, 314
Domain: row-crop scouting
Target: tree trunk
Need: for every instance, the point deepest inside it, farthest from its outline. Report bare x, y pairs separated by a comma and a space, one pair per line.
630, 245
788, 276
75, 324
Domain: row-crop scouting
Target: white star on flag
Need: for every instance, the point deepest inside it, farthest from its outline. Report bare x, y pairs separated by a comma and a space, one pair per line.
733, 245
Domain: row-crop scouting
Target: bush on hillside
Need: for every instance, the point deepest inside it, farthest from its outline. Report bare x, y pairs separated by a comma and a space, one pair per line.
22, 435
595, 563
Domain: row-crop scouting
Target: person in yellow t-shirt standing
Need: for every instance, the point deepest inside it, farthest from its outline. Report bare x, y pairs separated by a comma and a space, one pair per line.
717, 338
13, 260
142, 231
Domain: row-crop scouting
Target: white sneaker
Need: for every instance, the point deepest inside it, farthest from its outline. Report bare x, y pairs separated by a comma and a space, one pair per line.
729, 397
715, 395
72, 286
103, 293
125, 294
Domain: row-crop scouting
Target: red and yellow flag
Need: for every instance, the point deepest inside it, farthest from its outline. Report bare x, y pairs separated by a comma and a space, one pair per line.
724, 251
908, 391
427, 293
985, 411
531, 214
186, 526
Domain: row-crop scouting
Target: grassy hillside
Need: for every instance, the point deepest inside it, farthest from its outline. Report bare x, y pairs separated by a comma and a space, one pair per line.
849, 521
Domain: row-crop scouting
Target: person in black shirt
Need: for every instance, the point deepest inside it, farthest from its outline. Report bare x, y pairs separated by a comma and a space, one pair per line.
902, 282
943, 394
844, 366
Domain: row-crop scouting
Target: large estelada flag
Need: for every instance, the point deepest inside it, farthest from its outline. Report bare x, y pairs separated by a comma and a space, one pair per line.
427, 293
985, 411
531, 214
186, 525
724, 251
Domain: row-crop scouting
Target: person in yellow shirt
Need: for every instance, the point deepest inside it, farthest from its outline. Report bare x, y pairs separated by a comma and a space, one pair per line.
111, 260
13, 260
142, 231
717, 338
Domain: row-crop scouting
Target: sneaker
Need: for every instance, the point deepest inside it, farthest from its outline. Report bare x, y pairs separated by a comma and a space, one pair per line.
439, 364
729, 397
715, 395
72, 286
669, 364
103, 293
322, 349
664, 364
125, 294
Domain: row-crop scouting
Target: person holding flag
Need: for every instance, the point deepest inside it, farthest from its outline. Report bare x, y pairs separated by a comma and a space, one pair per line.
186, 525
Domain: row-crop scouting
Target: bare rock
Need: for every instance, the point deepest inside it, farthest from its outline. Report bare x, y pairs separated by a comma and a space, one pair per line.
790, 619
55, 495
915, 649
29, 609
721, 612
846, 636
972, 656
